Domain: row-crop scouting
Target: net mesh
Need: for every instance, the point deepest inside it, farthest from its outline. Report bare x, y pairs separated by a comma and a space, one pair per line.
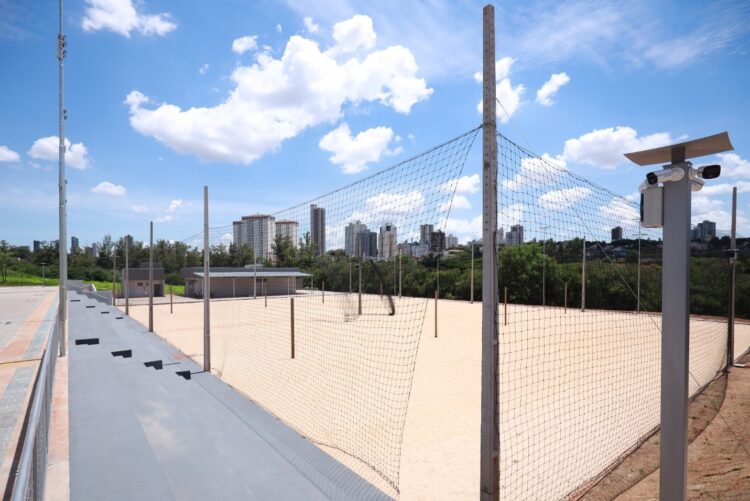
579, 370
330, 266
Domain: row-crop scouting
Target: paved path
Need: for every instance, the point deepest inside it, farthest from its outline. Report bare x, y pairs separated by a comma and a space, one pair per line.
141, 433
26, 315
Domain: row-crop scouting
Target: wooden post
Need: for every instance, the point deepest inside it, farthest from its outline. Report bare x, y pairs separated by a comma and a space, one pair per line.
323, 291
436, 304
566, 297
359, 298
292, 322
489, 478
171, 300
505, 306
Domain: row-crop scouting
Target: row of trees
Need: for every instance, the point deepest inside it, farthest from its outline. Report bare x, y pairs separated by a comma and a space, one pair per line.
534, 273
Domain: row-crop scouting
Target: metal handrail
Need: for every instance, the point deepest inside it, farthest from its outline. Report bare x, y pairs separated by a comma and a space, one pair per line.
32, 465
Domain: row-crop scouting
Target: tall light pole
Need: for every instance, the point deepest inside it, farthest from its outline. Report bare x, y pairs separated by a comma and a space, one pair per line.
62, 315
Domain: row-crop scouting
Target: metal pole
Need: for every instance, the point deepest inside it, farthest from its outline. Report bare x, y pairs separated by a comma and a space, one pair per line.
359, 298
171, 300
436, 305
505, 306
44, 280
291, 309
62, 307
732, 284
206, 287
566, 297
400, 274
490, 438
638, 285
323, 291
255, 276
675, 339
583, 277
151, 277
350, 275
544, 267
471, 280
114, 267
127, 275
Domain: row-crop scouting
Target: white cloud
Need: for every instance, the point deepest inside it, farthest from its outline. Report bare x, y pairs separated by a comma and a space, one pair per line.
8, 155
175, 204
278, 28
509, 97
704, 207
724, 188
164, 219
458, 202
537, 171
353, 153
243, 44
549, 89
618, 210
204, 69
107, 188
605, 148
563, 199
47, 148
733, 165
122, 17
392, 207
140, 209
463, 184
354, 34
275, 99
310, 25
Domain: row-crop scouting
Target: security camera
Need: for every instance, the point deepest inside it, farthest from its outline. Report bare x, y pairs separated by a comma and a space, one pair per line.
709, 171
665, 176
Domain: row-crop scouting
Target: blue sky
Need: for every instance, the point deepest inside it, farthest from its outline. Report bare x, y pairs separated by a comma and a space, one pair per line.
164, 97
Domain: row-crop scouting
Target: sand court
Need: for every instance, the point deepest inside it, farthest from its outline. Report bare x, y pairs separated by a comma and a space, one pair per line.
401, 407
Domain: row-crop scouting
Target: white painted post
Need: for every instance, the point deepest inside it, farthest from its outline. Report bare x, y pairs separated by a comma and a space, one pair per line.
206, 287
583, 277
151, 277
127, 275
471, 285
62, 307
490, 438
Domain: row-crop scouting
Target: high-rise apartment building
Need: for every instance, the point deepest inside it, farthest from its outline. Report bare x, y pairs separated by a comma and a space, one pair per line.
258, 232
425, 230
387, 241
318, 229
451, 242
704, 231
437, 241
515, 235
616, 233
288, 229
368, 243
74, 246
351, 238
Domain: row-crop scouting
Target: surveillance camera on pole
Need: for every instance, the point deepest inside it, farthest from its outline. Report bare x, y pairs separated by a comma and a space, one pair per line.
665, 203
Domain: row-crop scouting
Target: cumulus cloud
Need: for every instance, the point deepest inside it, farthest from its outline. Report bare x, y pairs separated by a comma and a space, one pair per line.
537, 171
276, 99
619, 209
353, 153
463, 184
563, 199
310, 25
140, 209
391, 207
175, 204
8, 155
243, 44
47, 148
354, 34
122, 17
604, 148
549, 89
204, 69
509, 97
107, 188
733, 165
458, 202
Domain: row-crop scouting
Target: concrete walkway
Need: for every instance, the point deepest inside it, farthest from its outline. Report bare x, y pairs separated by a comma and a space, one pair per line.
139, 432
26, 316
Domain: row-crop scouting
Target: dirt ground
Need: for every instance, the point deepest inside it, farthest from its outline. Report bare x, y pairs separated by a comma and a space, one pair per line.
577, 389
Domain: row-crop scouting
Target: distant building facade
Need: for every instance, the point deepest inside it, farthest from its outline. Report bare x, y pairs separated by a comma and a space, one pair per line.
451, 242
256, 231
437, 241
500, 236
616, 233
288, 229
74, 246
244, 282
424, 233
351, 238
387, 241
137, 282
704, 231
38, 244
515, 235
318, 229
368, 243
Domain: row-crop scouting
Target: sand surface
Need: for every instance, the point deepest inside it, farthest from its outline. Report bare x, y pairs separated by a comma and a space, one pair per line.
577, 389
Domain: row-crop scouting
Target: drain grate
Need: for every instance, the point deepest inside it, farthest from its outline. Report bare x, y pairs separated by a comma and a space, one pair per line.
91, 340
